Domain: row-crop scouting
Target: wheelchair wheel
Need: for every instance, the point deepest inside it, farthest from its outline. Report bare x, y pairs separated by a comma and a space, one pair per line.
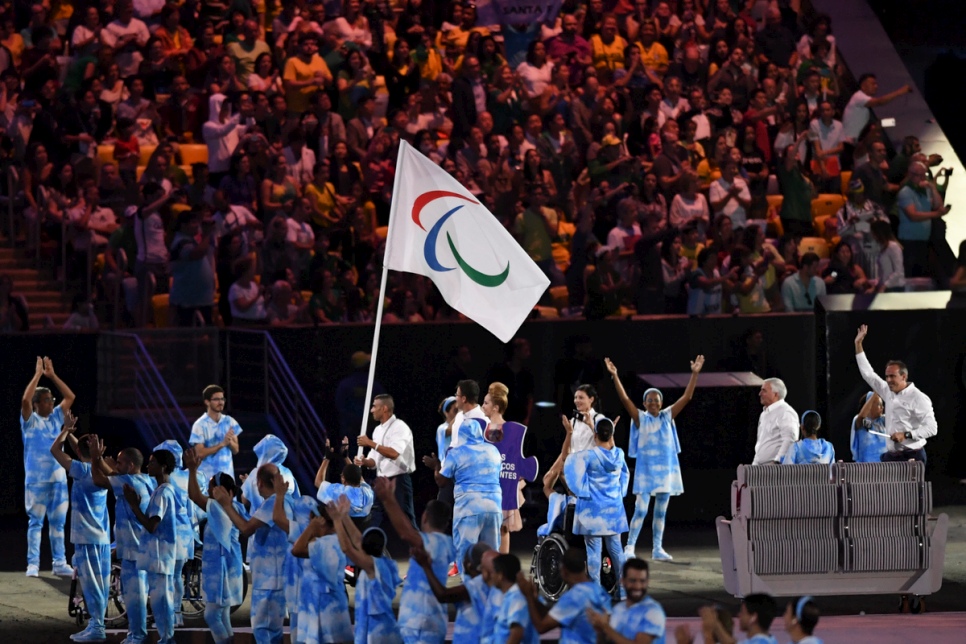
76, 607
547, 561
193, 602
116, 611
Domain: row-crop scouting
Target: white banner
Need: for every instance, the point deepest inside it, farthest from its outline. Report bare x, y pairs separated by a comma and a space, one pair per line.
516, 12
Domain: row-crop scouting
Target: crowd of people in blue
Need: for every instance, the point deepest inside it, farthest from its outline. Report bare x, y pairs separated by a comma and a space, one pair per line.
302, 548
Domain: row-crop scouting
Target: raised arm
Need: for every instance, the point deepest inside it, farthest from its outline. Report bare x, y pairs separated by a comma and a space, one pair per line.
878, 385
350, 543
432, 462
278, 510
57, 447
683, 401
312, 531
625, 400
323, 467
385, 490
246, 528
27, 402
443, 594
100, 468
191, 461
67, 396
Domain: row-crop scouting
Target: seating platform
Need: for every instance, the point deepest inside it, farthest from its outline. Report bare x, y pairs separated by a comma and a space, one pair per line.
845, 528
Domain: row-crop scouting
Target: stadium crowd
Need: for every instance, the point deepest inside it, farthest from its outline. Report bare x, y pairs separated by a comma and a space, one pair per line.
233, 162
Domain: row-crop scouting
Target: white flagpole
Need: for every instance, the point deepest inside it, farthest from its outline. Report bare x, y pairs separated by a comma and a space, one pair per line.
379, 306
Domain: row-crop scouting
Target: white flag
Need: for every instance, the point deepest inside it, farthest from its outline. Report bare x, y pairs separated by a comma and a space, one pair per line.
440, 230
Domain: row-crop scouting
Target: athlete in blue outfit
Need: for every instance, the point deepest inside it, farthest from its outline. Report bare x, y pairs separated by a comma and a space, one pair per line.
638, 619
470, 597
801, 618
654, 443
571, 613
221, 557
474, 468
128, 532
811, 448
866, 446
755, 617
267, 557
598, 477
350, 484
422, 619
45, 484
215, 435
323, 606
378, 577
159, 547
512, 618
269, 450
90, 530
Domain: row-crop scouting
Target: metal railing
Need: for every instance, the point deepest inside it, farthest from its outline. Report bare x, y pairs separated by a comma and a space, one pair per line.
251, 352
132, 384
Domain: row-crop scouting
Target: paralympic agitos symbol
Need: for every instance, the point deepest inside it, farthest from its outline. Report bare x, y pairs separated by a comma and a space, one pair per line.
429, 247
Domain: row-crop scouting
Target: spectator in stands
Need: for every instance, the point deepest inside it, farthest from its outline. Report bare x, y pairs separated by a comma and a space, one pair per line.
843, 274
181, 113
890, 266
749, 288
690, 207
853, 222
798, 191
919, 204
800, 293
151, 265
246, 296
675, 270
247, 50
775, 42
730, 196
192, 269
13, 308
278, 191
607, 48
126, 36
223, 131
857, 113
827, 139
604, 286
89, 226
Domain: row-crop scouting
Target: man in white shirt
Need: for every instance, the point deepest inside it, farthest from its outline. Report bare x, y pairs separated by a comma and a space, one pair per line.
909, 416
126, 36
730, 196
857, 112
777, 426
392, 455
827, 138
467, 401
90, 223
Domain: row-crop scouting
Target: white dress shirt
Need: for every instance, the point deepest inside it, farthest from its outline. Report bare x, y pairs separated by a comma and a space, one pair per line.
583, 436
396, 434
777, 430
909, 410
476, 412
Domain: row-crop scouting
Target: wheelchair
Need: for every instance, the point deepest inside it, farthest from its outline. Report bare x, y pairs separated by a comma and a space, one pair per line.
548, 557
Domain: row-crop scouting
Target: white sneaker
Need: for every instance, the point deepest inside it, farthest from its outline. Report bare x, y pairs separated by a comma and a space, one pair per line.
33, 570
629, 551
63, 570
660, 555
89, 635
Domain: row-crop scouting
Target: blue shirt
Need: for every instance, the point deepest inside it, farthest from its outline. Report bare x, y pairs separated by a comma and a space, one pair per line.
221, 558
89, 523
494, 602
598, 478
442, 440
761, 639
269, 548
39, 433
470, 613
475, 466
914, 230
866, 446
654, 443
193, 280
646, 616
159, 549
514, 611
128, 531
360, 498
418, 608
209, 433
323, 606
809, 450
375, 623
571, 612
187, 520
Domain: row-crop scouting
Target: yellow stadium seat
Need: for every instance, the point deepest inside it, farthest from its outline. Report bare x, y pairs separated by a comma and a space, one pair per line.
146, 152
140, 171
826, 204
105, 153
161, 308
819, 225
815, 245
775, 201
846, 177
187, 170
194, 153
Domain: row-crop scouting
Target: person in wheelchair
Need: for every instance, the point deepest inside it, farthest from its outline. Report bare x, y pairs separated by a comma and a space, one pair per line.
351, 484
598, 478
221, 557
